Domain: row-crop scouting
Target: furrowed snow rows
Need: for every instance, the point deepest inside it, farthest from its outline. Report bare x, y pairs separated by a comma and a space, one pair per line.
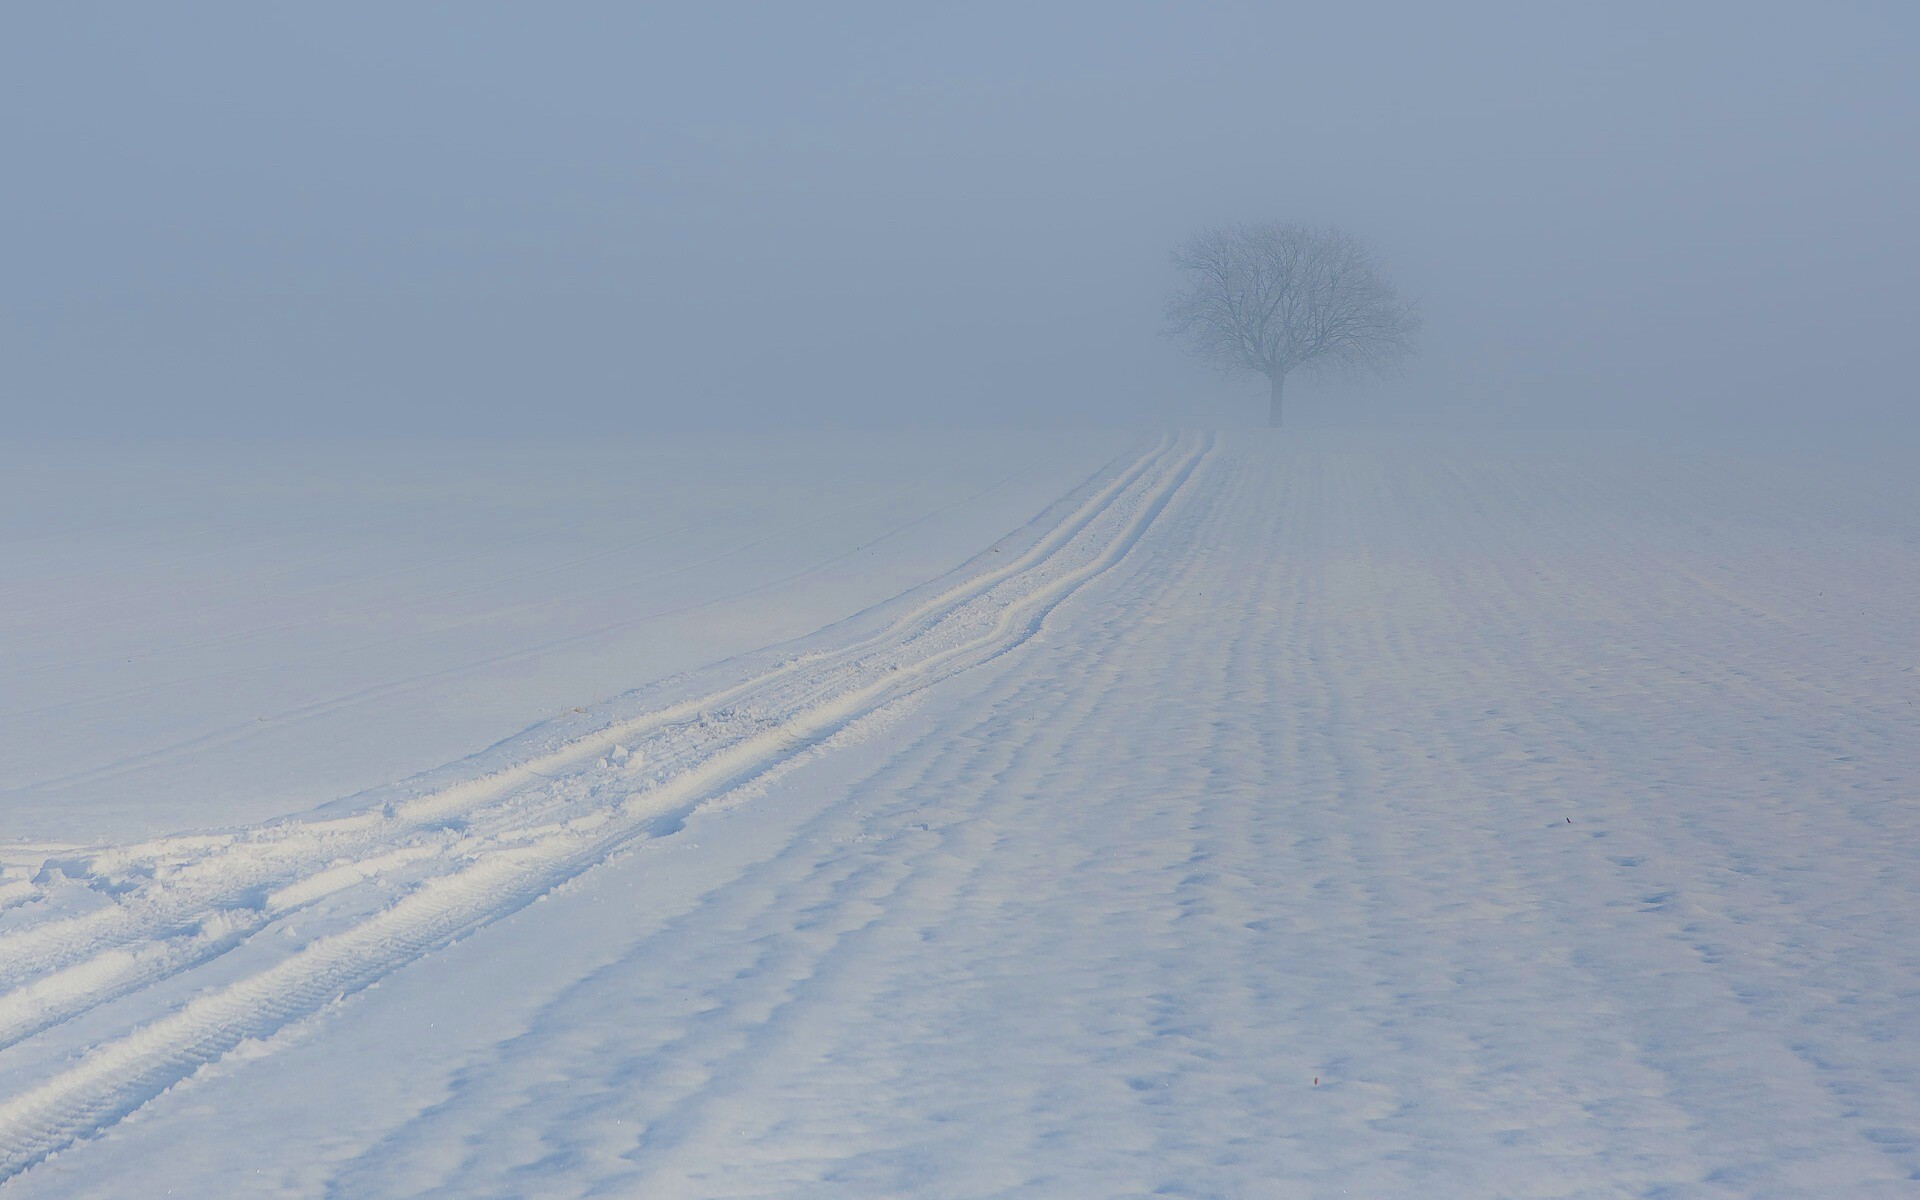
386, 885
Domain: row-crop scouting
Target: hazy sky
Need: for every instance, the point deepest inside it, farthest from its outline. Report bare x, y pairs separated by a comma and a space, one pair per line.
582, 218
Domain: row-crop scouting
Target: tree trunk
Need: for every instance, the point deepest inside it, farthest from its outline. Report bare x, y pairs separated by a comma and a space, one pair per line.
1278, 383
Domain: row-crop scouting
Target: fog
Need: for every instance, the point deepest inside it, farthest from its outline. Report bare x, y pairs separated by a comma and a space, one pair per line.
587, 219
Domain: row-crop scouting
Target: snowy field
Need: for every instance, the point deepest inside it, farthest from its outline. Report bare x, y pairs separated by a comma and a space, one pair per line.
1246, 815
215, 634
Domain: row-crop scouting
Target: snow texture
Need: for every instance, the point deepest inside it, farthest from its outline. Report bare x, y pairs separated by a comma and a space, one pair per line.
1269, 817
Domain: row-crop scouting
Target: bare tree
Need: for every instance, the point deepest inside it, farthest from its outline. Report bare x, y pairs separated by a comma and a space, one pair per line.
1276, 298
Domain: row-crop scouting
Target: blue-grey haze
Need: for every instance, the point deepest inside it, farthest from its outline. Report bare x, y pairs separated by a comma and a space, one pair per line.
489, 218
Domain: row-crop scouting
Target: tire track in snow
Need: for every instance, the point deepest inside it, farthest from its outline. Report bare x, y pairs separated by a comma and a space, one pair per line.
511, 853
804, 937
204, 886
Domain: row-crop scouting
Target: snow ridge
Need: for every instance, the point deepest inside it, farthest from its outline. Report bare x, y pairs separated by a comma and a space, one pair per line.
377, 889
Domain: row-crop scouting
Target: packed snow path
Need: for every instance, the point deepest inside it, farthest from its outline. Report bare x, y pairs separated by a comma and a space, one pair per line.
1265, 820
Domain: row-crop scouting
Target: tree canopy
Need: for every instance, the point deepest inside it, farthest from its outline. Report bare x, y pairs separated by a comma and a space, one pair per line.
1275, 298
